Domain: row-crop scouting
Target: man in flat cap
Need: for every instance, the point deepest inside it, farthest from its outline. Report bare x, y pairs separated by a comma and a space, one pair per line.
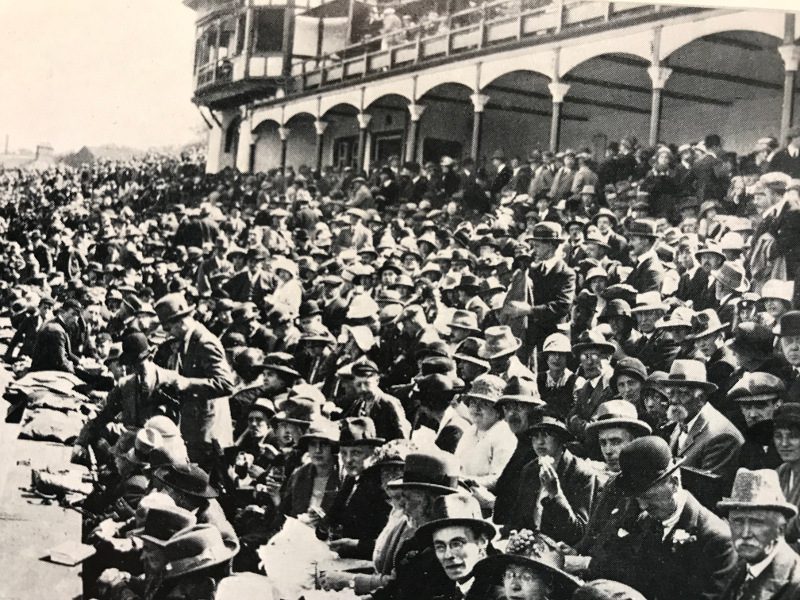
385, 411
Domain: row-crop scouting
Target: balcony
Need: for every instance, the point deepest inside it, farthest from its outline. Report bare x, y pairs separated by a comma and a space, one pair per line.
493, 26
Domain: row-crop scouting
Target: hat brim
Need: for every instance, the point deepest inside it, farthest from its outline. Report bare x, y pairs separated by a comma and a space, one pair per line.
629, 488
602, 346
473, 360
531, 400
209, 492
742, 288
692, 383
510, 350
464, 328
425, 533
400, 484
707, 332
281, 369
177, 315
194, 564
727, 504
559, 429
640, 426
493, 567
374, 442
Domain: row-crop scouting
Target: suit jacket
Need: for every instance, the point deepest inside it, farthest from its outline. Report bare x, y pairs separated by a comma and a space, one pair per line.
782, 161
205, 412
506, 489
562, 184
501, 180
522, 180
647, 275
387, 413
712, 180
241, 288
53, 349
694, 288
361, 509
779, 581
587, 399
713, 444
563, 518
553, 294
656, 351
666, 569
542, 181
296, 494
451, 433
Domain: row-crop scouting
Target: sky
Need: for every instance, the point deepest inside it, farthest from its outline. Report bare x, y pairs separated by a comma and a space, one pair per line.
93, 72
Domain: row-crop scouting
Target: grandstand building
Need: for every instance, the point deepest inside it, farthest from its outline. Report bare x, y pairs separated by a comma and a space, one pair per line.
291, 82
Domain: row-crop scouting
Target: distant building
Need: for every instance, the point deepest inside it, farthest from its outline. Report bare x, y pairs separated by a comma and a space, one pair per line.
294, 83
43, 158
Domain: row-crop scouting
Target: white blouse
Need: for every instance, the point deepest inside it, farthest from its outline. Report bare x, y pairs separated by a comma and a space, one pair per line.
484, 454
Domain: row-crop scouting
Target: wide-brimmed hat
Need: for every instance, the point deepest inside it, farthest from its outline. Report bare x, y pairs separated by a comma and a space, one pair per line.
163, 523
757, 387
759, 489
777, 289
592, 339
187, 478
298, 411
199, 548
553, 424
145, 442
557, 343
689, 373
789, 324
358, 431
524, 391
486, 387
434, 470
500, 341
535, 551
453, 510
320, 429
469, 350
732, 276
172, 307
752, 340
644, 228
644, 462
469, 283
466, 320
704, 323
618, 413
135, 348
680, 318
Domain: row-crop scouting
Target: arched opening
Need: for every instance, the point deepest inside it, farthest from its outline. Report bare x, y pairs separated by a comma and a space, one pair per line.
387, 128
267, 150
445, 127
301, 142
340, 148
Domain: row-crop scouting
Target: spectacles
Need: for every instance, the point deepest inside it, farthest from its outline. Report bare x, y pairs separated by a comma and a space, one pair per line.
455, 545
588, 354
523, 576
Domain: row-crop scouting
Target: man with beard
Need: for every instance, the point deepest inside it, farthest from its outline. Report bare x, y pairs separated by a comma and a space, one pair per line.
758, 395
757, 513
699, 434
385, 411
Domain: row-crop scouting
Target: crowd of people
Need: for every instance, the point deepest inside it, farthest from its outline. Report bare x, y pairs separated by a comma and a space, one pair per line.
537, 379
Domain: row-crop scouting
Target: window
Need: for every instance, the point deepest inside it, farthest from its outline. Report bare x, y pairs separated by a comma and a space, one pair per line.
240, 40
267, 30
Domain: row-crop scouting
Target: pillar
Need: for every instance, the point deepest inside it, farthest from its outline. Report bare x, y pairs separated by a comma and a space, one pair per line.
363, 126
248, 37
320, 127
479, 102
245, 148
558, 91
283, 133
659, 76
415, 112
791, 57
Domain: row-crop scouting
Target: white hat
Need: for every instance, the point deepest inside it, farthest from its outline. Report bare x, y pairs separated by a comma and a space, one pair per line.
778, 290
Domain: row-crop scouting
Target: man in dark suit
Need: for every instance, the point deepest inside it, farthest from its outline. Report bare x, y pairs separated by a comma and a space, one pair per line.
757, 512
386, 411
648, 272
502, 173
711, 172
53, 349
203, 382
789, 344
543, 175
250, 284
787, 160
414, 184
431, 400
668, 545
553, 287
521, 176
700, 435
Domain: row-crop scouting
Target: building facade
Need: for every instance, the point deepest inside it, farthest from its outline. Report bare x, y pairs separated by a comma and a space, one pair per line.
512, 75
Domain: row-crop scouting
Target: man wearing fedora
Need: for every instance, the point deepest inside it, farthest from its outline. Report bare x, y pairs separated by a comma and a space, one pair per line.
730, 282
553, 288
758, 395
250, 284
203, 382
648, 270
757, 513
789, 345
668, 545
500, 351
699, 434
593, 351
434, 395
556, 490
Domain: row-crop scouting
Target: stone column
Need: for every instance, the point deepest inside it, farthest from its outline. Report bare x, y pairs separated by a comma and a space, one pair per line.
415, 111
283, 133
659, 76
320, 127
791, 57
479, 102
363, 128
558, 91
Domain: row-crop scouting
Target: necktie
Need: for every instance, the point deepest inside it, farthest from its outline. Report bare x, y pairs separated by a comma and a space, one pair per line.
748, 585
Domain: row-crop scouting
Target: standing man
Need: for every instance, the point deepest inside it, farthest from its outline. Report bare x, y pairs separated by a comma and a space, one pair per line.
648, 271
204, 379
757, 512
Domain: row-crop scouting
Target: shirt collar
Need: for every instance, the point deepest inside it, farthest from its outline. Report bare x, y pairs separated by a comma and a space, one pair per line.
670, 523
649, 254
550, 263
757, 569
465, 586
448, 415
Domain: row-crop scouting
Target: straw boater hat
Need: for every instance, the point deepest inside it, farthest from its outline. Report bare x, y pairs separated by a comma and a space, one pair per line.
618, 413
453, 510
759, 489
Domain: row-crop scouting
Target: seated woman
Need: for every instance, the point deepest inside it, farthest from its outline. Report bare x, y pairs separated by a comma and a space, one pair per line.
531, 569
488, 444
310, 491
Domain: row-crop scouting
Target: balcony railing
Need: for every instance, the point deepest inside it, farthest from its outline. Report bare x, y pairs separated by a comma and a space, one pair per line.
492, 24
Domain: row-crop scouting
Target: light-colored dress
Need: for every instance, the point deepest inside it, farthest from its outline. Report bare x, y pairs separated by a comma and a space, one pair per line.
484, 454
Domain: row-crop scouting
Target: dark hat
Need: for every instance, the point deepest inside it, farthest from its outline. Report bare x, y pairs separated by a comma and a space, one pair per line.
436, 388
629, 365
552, 424
172, 307
135, 348
605, 589
616, 308
621, 291
789, 324
163, 523
787, 415
759, 489
453, 510
187, 478
547, 231
757, 387
752, 340
592, 339
469, 350
199, 548
309, 308
365, 368
643, 228
434, 470
519, 389
644, 462
358, 431
436, 364
296, 410
281, 363
244, 311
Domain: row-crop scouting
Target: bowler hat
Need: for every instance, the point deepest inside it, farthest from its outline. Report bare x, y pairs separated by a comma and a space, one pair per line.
689, 373
135, 348
752, 340
434, 470
454, 510
732, 276
789, 324
187, 478
358, 431
519, 389
759, 489
163, 523
172, 307
199, 548
644, 462
616, 413
500, 341
757, 387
